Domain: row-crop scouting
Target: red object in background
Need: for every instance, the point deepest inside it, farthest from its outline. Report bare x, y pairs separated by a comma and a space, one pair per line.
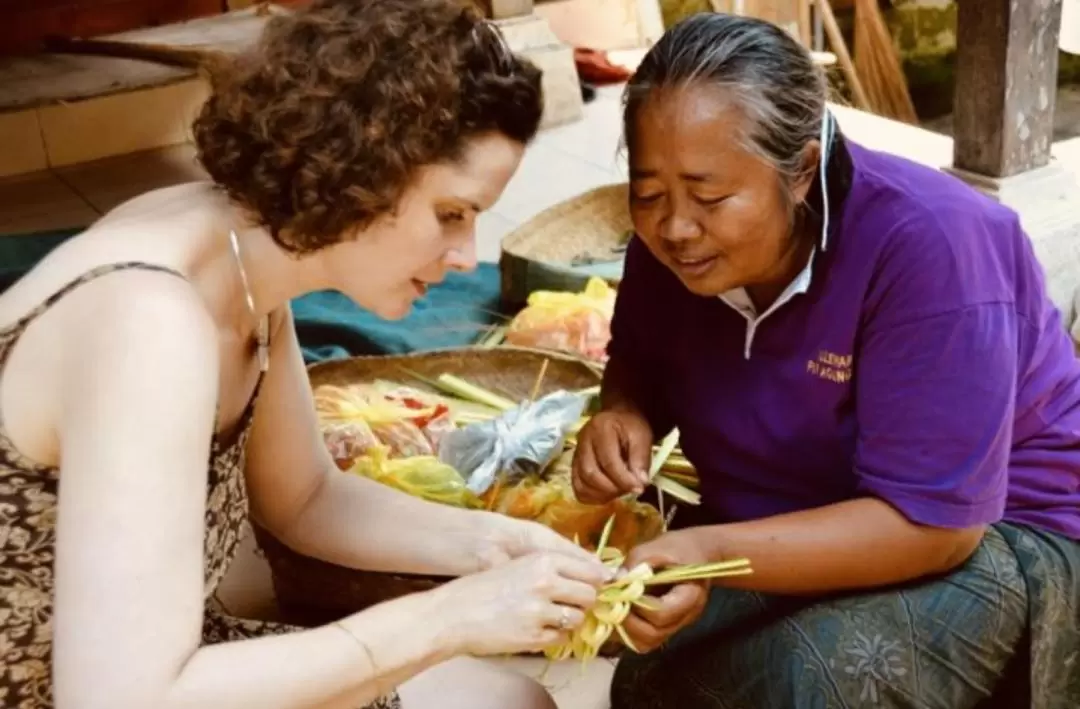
594, 67
26, 23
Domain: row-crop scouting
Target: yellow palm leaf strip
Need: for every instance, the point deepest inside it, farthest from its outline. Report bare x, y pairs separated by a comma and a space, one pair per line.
659, 458
602, 545
495, 337
678, 464
690, 481
663, 452
694, 572
539, 381
677, 490
616, 599
471, 392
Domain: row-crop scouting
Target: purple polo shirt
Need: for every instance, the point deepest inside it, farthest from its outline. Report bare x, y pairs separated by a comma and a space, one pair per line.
922, 363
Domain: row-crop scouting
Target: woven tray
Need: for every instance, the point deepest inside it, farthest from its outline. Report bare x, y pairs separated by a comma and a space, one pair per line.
312, 592
562, 247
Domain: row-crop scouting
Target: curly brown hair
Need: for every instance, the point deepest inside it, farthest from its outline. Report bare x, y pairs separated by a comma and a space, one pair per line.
319, 129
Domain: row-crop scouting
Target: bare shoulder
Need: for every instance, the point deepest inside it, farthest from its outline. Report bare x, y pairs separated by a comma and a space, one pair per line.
137, 332
106, 343
143, 381
151, 311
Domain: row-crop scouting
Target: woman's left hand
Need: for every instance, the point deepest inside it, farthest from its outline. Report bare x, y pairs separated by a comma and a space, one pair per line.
508, 538
680, 606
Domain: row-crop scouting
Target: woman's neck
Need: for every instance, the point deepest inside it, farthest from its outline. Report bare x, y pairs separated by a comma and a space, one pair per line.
790, 265
273, 276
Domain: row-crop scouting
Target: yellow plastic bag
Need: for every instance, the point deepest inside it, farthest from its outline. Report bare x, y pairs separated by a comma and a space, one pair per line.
409, 422
578, 323
425, 477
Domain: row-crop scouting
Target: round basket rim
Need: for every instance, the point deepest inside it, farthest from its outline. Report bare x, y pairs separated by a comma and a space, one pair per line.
479, 351
568, 208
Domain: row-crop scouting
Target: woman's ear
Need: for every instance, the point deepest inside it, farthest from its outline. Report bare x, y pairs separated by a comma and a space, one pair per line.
807, 171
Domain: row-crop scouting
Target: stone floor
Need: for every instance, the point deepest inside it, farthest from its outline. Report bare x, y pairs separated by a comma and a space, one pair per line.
563, 162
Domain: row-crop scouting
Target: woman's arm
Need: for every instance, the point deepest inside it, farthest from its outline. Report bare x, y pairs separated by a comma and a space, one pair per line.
854, 545
139, 400
300, 496
647, 300
618, 391
863, 543
614, 449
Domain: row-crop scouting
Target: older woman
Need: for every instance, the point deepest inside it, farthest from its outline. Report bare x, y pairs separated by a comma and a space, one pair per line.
154, 392
881, 402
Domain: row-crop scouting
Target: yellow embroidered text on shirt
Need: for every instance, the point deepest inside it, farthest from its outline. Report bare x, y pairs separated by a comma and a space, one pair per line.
830, 366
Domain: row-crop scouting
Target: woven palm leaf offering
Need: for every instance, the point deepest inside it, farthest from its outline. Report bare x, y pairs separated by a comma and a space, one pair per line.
617, 599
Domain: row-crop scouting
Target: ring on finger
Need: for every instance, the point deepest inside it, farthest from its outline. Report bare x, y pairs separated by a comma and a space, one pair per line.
564, 618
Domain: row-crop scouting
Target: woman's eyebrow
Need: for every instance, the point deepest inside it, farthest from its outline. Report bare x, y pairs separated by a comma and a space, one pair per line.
467, 204
638, 174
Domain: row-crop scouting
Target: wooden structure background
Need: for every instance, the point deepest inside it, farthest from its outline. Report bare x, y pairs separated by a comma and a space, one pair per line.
1007, 60
26, 22
1006, 79
1006, 84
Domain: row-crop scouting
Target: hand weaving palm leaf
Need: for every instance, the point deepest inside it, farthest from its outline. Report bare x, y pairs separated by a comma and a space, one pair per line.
619, 597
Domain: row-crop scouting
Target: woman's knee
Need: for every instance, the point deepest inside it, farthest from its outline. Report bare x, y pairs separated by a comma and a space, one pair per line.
465, 683
513, 689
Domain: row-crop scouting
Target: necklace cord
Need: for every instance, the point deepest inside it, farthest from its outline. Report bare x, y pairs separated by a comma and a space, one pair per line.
262, 329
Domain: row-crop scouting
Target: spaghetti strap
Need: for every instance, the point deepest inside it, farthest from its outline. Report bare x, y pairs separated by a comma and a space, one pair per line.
91, 275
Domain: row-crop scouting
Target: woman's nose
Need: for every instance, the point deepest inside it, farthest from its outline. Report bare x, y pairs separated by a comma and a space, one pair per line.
463, 258
680, 227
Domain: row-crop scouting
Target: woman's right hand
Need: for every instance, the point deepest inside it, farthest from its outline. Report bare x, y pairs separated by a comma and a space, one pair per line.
524, 605
613, 454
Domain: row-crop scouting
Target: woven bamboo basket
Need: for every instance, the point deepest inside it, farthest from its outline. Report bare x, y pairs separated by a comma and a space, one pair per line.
311, 592
563, 246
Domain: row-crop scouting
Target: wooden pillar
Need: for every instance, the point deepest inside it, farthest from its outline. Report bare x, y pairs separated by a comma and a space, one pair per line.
1006, 83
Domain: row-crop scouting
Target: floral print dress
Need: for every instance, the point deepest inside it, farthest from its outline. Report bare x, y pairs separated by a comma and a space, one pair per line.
28, 500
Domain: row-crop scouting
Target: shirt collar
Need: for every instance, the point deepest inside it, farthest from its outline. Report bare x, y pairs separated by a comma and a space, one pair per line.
739, 300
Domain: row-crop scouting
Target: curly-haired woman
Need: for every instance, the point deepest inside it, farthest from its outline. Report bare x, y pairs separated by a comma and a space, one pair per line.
151, 365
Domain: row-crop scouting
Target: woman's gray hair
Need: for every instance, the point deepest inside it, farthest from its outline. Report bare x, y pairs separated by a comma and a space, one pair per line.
770, 76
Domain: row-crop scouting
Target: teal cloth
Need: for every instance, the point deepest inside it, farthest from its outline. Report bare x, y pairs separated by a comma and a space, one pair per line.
454, 313
20, 252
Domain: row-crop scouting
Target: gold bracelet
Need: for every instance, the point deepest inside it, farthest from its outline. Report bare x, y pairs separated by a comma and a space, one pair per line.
363, 646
